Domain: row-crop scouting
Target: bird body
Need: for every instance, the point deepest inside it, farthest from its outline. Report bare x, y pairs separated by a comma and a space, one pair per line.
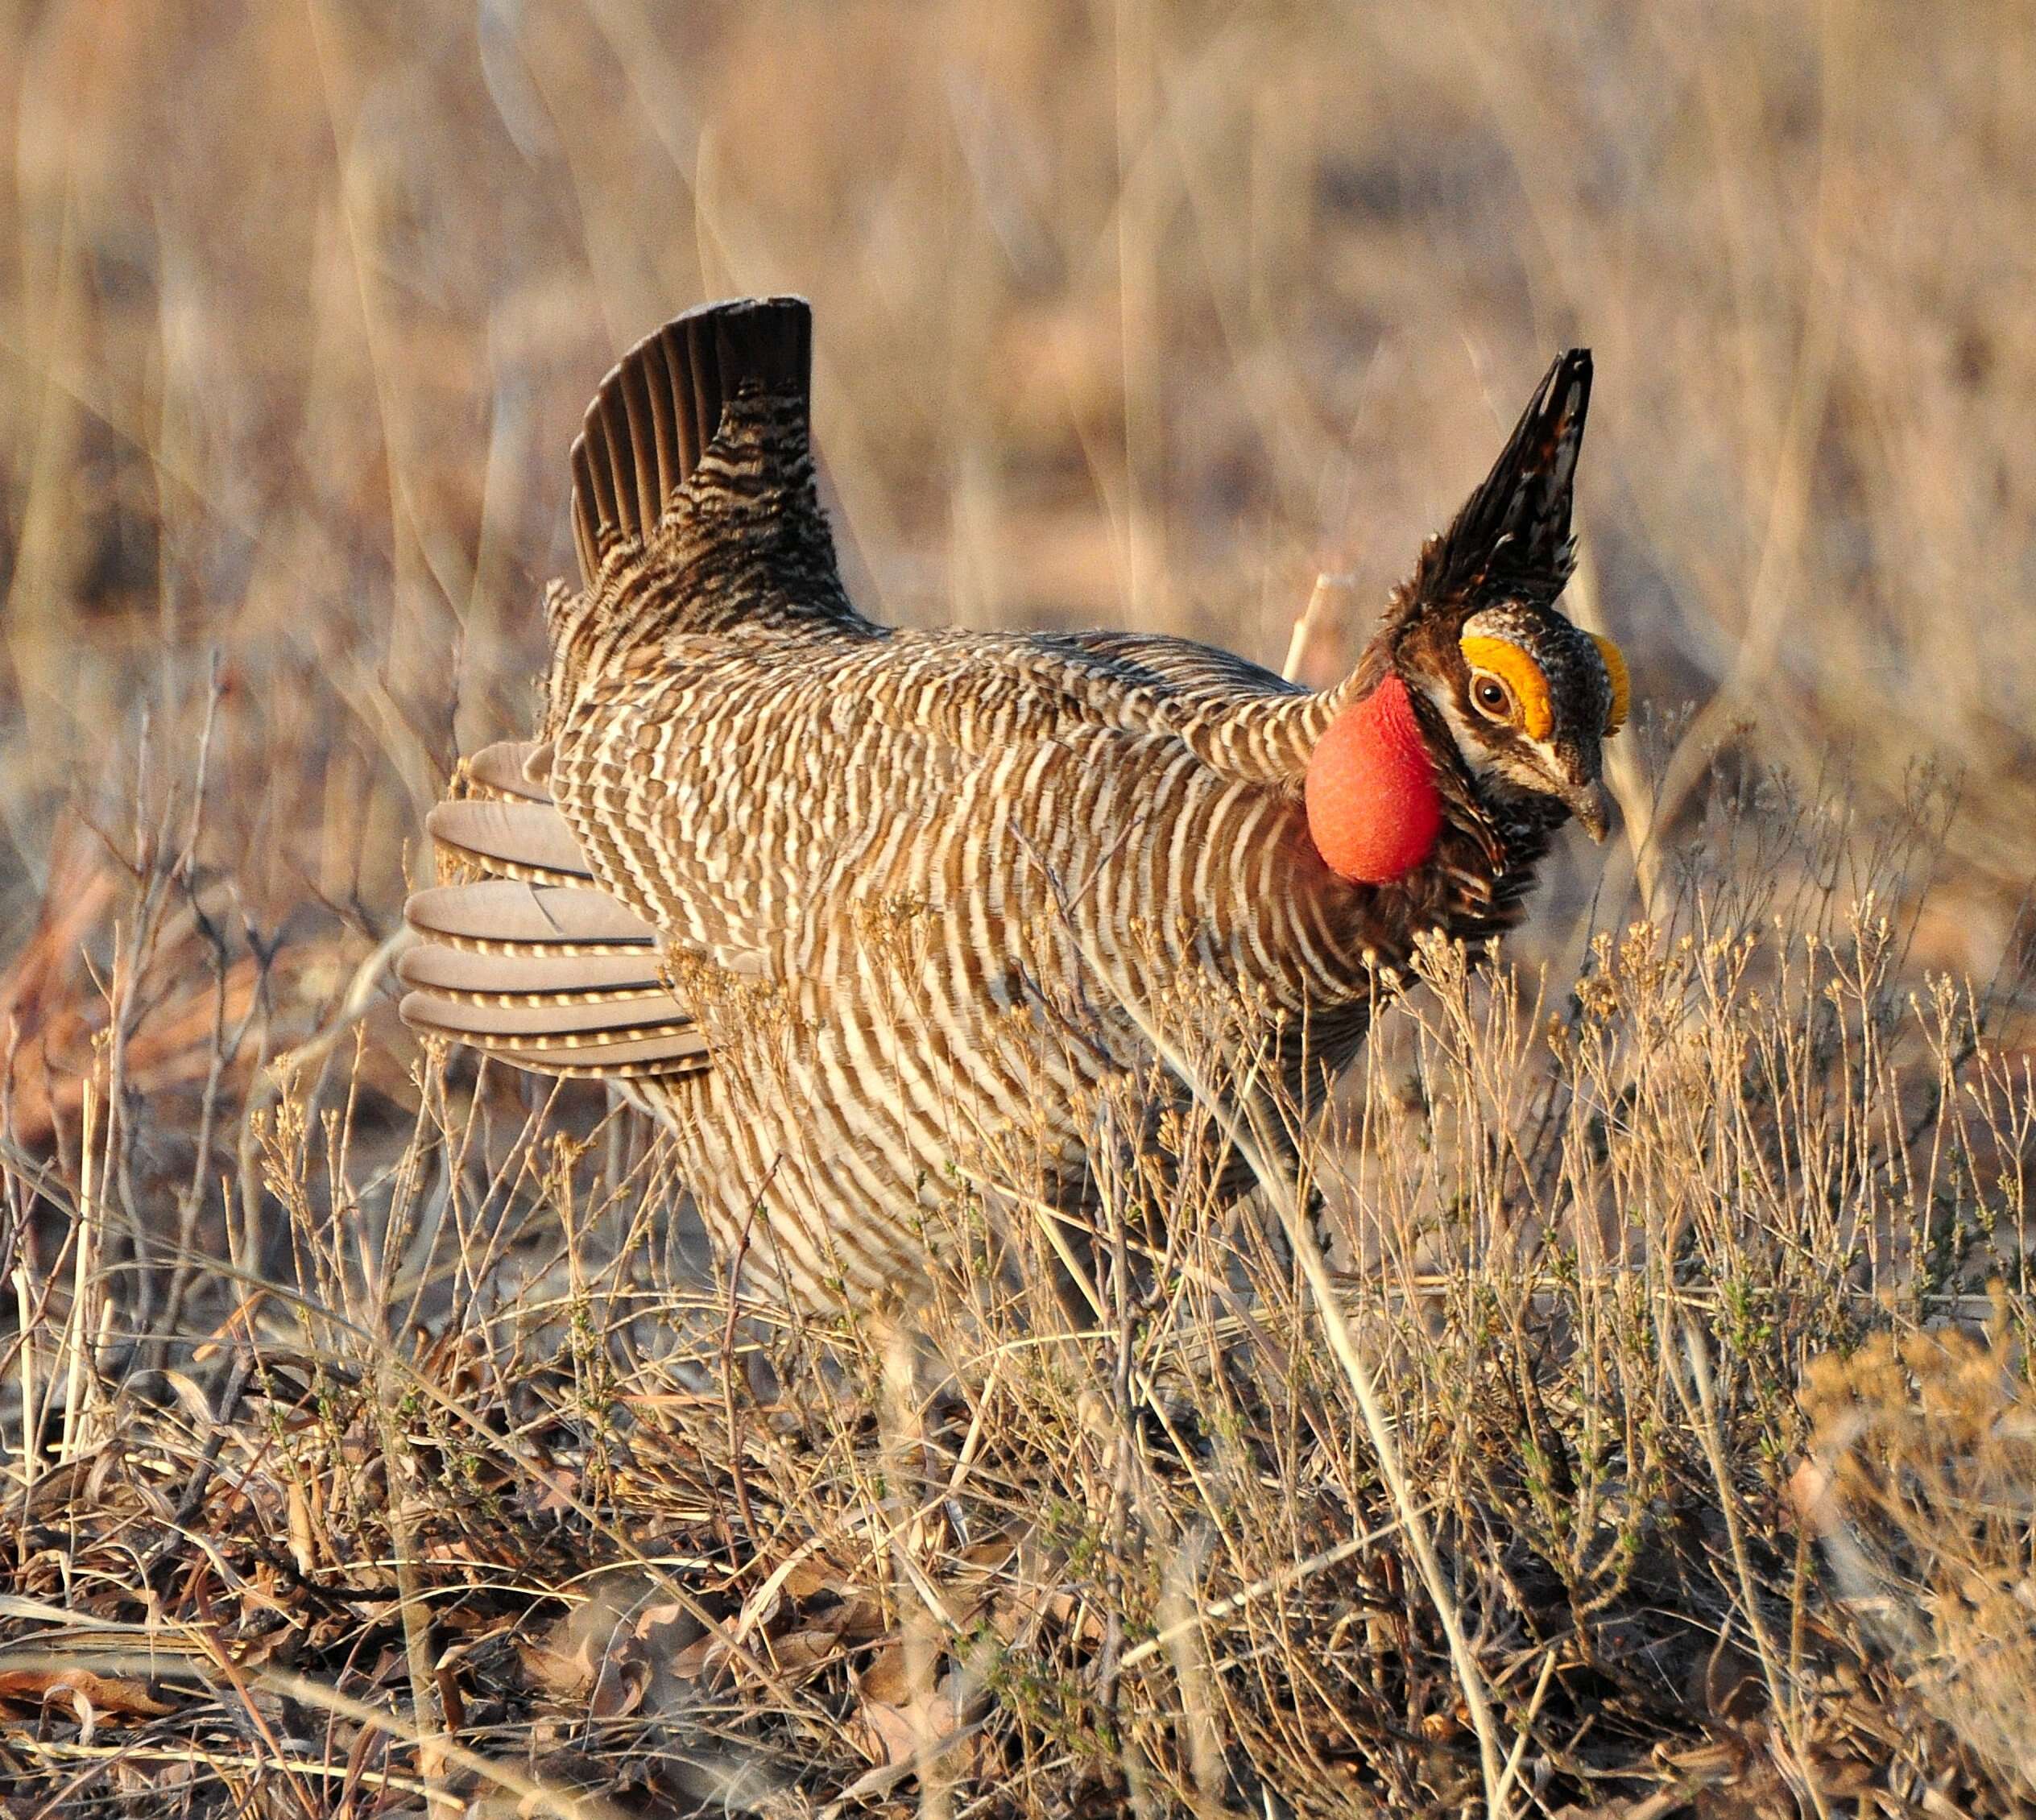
846, 905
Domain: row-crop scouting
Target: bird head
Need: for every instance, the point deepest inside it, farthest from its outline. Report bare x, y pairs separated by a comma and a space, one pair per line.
1526, 696
1473, 668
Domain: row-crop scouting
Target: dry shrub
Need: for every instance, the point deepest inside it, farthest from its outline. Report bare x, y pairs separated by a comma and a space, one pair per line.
496, 1492
1921, 1480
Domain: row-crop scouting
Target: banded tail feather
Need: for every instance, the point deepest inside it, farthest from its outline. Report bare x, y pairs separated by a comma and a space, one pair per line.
513, 917
565, 977
499, 820
557, 978
572, 1037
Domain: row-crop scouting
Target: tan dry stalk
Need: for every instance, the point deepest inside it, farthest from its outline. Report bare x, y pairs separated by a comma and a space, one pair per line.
75, 1344
428, 1711
25, 1368
1333, 596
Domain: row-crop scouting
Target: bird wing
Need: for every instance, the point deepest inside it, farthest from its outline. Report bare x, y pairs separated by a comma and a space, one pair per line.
1242, 720
522, 953
742, 809
1182, 666
744, 800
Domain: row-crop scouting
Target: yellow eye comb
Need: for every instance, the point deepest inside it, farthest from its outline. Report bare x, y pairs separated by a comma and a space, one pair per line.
1521, 674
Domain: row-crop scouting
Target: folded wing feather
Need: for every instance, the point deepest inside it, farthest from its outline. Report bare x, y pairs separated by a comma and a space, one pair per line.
534, 962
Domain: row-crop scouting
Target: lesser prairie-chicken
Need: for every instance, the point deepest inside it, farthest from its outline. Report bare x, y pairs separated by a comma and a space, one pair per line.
844, 903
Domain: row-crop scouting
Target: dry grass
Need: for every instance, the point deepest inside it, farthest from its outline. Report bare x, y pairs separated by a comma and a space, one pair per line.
1655, 1433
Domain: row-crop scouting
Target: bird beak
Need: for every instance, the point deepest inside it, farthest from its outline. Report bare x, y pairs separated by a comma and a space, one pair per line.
1590, 804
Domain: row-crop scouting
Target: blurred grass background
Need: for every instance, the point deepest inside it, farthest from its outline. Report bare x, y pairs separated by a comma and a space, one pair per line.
1128, 313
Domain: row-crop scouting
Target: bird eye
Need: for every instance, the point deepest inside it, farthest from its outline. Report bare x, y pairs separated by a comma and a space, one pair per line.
1490, 695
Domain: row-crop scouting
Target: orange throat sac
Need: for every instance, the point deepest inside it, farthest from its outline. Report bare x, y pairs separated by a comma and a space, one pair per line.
1373, 810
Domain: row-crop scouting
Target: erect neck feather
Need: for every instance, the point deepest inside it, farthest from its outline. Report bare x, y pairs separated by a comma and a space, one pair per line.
1374, 811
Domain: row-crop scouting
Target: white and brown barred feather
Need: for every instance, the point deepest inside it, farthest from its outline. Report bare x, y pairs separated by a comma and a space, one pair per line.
833, 898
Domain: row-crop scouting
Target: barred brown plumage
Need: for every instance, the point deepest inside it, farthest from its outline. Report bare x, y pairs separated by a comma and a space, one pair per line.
837, 901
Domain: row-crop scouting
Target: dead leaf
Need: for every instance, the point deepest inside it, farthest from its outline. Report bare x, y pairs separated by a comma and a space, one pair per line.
799, 1651
900, 1721
703, 1653
897, 1741
862, 1618
113, 1695
668, 1628
619, 1687
564, 1662
814, 1575
886, 1679
558, 1491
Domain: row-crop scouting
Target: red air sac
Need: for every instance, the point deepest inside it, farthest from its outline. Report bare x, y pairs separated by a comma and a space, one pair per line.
1373, 810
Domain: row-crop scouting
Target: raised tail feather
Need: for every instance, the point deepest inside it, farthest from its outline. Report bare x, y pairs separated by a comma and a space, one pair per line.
661, 405
531, 960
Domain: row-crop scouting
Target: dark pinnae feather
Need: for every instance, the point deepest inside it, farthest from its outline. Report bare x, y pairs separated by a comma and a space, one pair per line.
1513, 537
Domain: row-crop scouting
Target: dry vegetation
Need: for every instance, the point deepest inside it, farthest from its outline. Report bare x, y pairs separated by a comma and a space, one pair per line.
1654, 1430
